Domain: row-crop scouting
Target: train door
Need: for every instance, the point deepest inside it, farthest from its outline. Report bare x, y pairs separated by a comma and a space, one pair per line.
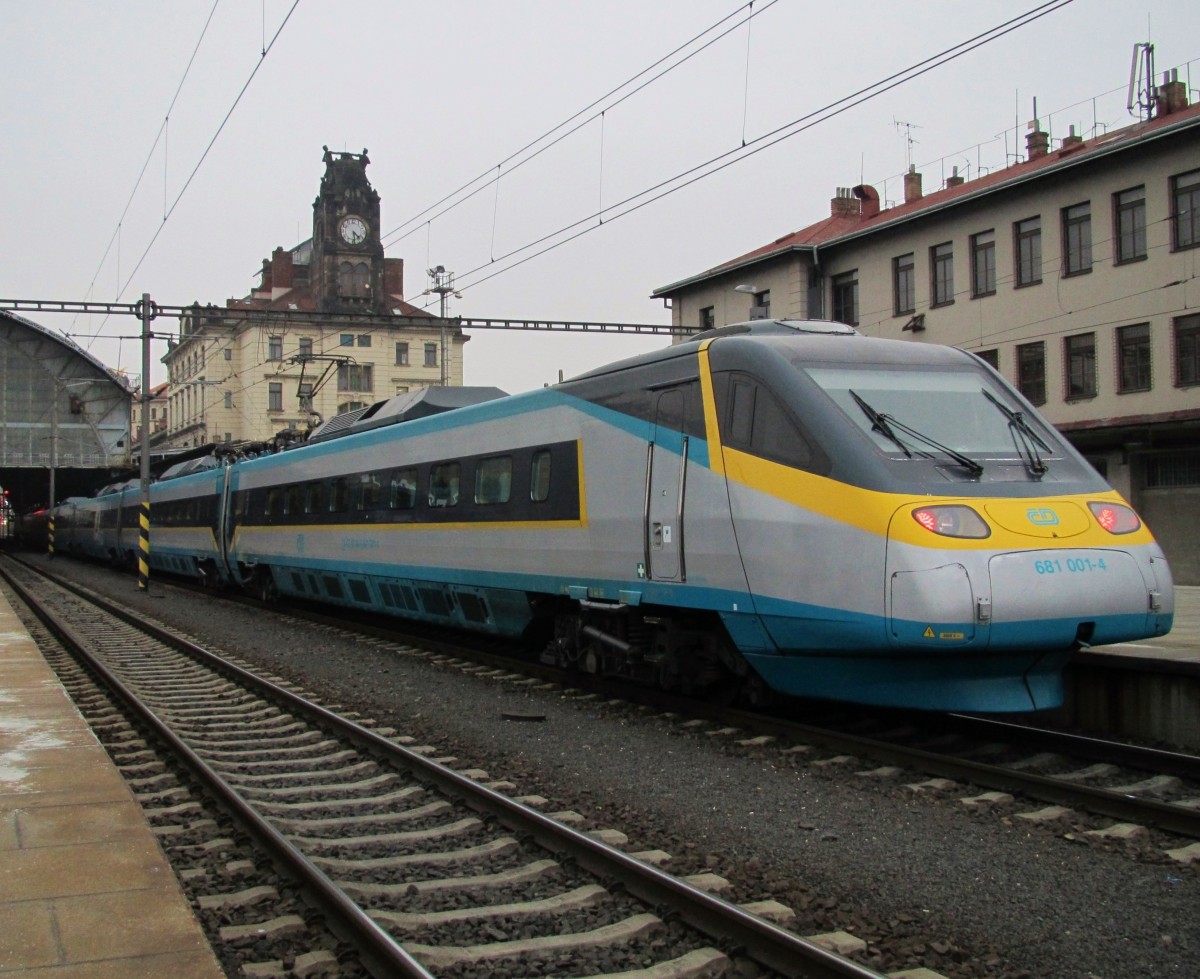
225, 521
666, 466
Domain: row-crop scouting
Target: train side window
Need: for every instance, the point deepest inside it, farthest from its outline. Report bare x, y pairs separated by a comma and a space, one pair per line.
274, 502
339, 495
369, 492
443, 484
539, 476
493, 480
294, 503
314, 497
756, 422
403, 491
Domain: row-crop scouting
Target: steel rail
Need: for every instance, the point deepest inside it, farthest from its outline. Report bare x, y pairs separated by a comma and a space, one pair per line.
764, 941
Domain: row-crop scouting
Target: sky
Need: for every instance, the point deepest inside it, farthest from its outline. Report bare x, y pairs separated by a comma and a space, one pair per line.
151, 147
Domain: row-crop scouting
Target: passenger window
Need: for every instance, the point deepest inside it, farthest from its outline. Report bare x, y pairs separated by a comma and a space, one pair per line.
539, 476
443, 484
315, 498
275, 502
493, 480
294, 502
369, 492
403, 495
339, 496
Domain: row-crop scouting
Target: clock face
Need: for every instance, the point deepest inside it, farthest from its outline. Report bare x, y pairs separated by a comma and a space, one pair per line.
353, 230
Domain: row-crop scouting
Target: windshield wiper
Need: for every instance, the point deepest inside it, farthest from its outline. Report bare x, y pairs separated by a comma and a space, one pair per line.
1024, 437
887, 425
879, 423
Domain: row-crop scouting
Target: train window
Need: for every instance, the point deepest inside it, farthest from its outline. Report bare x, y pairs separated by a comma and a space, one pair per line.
755, 421
369, 492
274, 502
403, 490
493, 479
339, 495
294, 500
539, 476
443, 484
314, 497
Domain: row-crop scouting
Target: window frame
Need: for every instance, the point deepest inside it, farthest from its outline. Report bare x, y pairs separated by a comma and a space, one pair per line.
1141, 370
904, 284
1079, 367
1032, 388
1185, 348
274, 396
1191, 193
983, 245
842, 285
1126, 208
1027, 252
941, 275
1077, 239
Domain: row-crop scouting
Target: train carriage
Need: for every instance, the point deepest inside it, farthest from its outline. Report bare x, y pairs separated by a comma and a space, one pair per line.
783, 506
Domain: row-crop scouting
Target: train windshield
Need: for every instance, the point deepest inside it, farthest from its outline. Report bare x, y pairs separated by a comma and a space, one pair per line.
924, 413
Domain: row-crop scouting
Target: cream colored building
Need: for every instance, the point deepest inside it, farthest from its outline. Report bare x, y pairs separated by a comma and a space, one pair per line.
326, 331
1074, 272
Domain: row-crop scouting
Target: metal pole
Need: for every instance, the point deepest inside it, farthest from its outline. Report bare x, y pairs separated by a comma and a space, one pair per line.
147, 312
53, 459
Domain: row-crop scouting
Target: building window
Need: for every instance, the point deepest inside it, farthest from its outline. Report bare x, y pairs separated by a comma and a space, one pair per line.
305, 394
1031, 371
402, 353
761, 310
904, 284
229, 399
275, 396
364, 339
708, 318
346, 406
1027, 251
1079, 352
1130, 221
941, 274
353, 280
274, 348
1187, 350
355, 377
991, 357
346, 340
1133, 358
1077, 239
983, 264
431, 355
845, 297
306, 347
1185, 210
228, 354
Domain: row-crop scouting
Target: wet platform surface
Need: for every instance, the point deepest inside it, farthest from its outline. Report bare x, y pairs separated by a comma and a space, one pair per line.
85, 890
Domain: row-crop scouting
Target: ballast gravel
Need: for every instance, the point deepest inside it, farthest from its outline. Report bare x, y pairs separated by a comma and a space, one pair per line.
966, 892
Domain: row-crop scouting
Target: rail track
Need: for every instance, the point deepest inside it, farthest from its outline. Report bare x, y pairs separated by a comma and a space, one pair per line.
418, 869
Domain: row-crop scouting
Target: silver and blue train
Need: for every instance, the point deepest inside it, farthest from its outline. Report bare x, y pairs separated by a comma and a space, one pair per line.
781, 506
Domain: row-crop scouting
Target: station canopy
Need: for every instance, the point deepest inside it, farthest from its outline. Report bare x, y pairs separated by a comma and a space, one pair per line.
60, 405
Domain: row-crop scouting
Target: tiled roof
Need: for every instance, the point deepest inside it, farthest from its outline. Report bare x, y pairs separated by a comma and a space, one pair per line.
839, 227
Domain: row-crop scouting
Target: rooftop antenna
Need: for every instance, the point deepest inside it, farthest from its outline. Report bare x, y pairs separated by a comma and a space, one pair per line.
909, 142
1141, 80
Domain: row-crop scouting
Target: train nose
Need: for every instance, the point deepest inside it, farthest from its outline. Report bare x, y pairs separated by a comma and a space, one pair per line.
1039, 520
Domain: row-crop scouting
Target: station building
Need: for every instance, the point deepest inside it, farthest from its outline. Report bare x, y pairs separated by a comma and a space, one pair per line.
1073, 272
64, 418
247, 371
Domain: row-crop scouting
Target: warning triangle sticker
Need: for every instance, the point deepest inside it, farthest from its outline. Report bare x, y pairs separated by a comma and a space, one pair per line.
928, 633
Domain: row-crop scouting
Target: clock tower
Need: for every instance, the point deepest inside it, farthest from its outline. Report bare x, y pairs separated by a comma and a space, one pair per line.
347, 256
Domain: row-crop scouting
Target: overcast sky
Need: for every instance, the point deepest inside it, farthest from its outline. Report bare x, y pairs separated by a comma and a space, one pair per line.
442, 94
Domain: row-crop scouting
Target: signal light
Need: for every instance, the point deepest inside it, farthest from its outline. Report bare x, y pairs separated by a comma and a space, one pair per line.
1116, 518
952, 521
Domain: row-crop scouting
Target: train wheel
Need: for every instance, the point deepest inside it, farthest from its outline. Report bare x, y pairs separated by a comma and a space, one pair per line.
263, 587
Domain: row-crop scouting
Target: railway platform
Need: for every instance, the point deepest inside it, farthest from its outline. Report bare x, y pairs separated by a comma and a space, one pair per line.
85, 889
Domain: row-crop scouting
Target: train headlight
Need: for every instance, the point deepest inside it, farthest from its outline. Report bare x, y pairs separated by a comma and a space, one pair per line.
1115, 517
952, 521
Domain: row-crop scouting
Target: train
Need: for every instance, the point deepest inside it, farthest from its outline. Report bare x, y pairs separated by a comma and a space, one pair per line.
780, 507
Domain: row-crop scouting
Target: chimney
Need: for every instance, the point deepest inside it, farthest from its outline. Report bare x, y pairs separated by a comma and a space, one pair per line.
844, 205
1171, 96
869, 197
1037, 143
912, 184
282, 269
393, 277
954, 180
1071, 143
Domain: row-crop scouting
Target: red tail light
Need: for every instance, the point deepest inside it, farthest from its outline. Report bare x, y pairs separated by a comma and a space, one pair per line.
1115, 517
952, 521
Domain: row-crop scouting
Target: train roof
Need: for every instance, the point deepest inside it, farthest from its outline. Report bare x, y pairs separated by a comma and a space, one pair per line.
403, 407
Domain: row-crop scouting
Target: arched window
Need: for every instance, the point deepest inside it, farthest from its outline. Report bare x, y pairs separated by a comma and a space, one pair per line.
354, 279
